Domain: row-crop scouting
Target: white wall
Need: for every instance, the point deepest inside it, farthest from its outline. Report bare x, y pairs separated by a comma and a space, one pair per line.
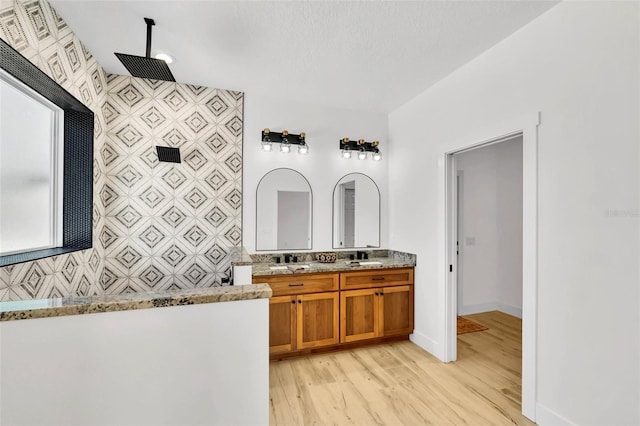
477, 286
490, 250
205, 364
578, 64
509, 226
323, 167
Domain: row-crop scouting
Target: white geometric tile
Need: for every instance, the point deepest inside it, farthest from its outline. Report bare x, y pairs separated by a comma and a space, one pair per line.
4, 278
35, 30
179, 197
174, 255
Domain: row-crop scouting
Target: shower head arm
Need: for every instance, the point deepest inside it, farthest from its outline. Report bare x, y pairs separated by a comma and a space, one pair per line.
150, 23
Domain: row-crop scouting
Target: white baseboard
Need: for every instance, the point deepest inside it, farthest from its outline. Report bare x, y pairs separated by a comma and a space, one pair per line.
509, 309
428, 344
477, 308
547, 417
490, 306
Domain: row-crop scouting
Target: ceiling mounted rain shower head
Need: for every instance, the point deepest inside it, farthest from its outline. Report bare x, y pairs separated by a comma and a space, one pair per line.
146, 66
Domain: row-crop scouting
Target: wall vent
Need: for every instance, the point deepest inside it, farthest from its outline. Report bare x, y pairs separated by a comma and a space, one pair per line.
167, 154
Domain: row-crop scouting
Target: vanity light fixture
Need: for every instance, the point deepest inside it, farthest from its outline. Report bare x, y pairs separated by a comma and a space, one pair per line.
362, 149
285, 139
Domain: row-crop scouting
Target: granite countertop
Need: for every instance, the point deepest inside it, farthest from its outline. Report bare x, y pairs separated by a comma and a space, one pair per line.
43, 308
240, 257
340, 265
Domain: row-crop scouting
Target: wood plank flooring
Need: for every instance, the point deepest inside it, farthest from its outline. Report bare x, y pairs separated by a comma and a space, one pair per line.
400, 384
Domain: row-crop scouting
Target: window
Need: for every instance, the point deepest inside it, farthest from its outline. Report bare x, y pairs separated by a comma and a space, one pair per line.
60, 221
31, 153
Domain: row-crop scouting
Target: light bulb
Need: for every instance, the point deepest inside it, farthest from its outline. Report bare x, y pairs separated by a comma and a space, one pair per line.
266, 146
362, 155
346, 153
285, 147
377, 156
165, 57
303, 149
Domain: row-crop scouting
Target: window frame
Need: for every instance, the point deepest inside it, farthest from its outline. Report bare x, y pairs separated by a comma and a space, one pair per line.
56, 166
77, 188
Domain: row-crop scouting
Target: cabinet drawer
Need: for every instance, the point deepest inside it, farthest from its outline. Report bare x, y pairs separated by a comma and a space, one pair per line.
300, 284
371, 279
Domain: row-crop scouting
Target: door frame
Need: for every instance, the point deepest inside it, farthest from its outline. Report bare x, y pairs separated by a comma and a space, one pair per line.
527, 126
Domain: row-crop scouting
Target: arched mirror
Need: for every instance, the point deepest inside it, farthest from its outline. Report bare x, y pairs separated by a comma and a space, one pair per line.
356, 212
283, 211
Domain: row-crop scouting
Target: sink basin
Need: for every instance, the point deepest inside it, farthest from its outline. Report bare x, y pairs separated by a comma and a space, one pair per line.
293, 267
363, 262
278, 268
298, 267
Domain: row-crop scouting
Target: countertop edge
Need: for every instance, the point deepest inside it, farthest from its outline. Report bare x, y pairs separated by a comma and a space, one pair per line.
330, 267
80, 306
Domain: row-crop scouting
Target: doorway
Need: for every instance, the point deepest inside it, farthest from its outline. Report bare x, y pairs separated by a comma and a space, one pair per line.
491, 133
489, 228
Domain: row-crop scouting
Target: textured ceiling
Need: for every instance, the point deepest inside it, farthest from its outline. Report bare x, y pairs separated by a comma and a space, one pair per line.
367, 55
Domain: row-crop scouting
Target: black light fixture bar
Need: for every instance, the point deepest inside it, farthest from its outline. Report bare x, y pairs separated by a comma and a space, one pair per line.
285, 139
361, 148
359, 145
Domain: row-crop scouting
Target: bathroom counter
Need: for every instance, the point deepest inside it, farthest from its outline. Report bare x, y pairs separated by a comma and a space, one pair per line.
399, 260
240, 257
194, 362
44, 308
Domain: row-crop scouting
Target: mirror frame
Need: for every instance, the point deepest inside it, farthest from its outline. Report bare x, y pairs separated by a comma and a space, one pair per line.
310, 212
333, 209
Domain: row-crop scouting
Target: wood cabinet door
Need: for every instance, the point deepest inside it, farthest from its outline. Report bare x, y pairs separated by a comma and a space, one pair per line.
359, 314
317, 320
396, 310
282, 324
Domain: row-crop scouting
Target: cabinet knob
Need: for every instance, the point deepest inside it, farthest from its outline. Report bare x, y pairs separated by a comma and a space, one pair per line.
293, 301
299, 301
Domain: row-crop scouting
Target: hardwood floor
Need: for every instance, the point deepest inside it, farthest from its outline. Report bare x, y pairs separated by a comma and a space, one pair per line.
400, 384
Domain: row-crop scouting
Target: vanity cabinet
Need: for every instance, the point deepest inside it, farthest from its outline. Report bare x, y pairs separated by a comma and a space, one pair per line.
376, 304
376, 312
303, 312
330, 310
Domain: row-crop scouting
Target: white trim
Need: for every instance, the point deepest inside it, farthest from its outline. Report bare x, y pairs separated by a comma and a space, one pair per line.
425, 342
57, 177
490, 306
527, 126
510, 310
544, 416
56, 163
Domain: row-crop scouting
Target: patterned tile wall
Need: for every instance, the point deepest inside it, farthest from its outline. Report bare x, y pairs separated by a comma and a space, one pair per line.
170, 225
35, 30
156, 225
